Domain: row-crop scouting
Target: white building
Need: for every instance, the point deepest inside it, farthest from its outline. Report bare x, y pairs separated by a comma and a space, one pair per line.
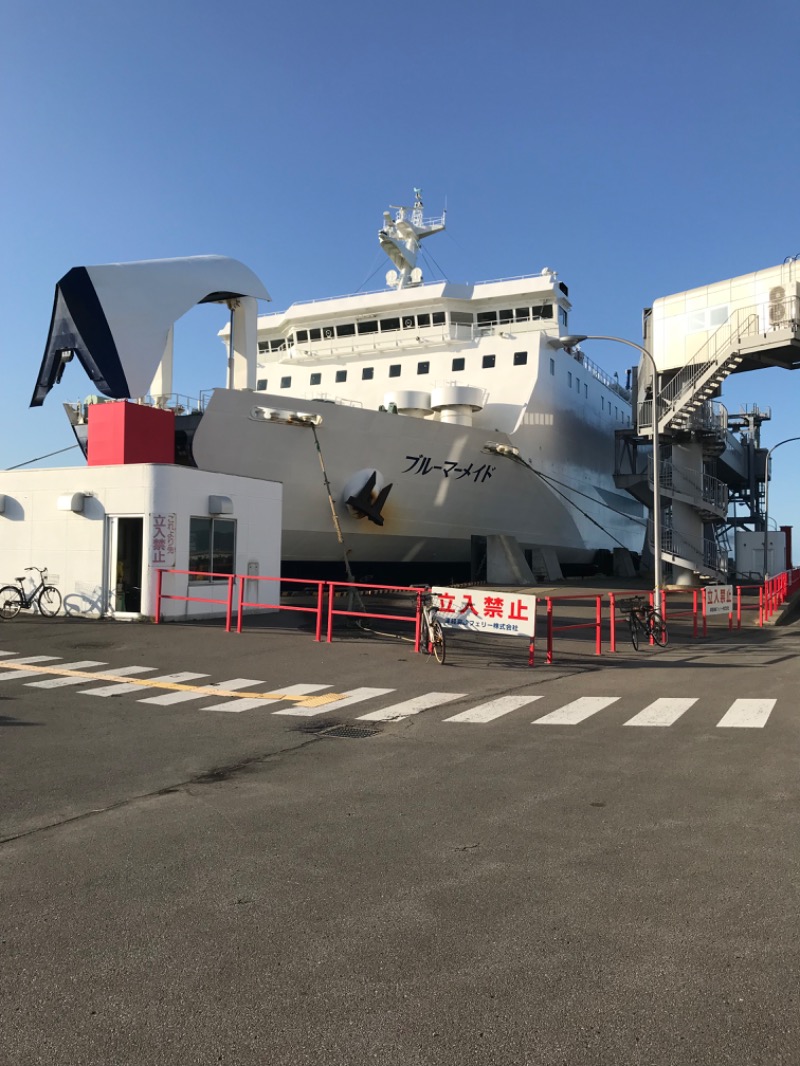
103, 532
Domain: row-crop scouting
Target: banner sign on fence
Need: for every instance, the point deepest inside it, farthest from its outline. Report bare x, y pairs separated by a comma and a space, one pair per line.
486, 611
719, 599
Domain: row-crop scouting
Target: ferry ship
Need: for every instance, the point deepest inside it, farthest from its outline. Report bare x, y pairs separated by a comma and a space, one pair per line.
443, 413
407, 426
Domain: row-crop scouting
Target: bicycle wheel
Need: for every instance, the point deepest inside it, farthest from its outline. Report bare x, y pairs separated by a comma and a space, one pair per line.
49, 601
658, 627
10, 602
634, 627
437, 639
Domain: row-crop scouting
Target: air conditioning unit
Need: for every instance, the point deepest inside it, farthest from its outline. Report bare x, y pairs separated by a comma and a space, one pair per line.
777, 306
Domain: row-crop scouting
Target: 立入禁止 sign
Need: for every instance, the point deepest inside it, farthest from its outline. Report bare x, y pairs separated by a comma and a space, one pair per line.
719, 599
486, 611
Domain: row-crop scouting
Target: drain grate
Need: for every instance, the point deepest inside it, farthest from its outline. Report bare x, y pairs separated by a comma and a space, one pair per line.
352, 731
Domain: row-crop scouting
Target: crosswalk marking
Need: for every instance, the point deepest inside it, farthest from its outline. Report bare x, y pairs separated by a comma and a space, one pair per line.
355, 695
487, 712
59, 682
233, 685
14, 674
136, 686
236, 705
747, 714
577, 710
663, 711
63, 682
413, 706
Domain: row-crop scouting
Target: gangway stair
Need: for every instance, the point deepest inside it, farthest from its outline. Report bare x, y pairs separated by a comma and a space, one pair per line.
744, 342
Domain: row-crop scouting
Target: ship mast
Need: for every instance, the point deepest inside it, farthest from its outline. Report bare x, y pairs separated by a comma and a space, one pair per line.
400, 239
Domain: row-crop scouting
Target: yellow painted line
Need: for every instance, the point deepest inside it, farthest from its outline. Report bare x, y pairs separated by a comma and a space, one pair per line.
175, 686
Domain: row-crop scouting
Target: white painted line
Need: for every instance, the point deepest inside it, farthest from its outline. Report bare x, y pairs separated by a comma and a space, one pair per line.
414, 706
18, 675
182, 697
62, 682
355, 695
747, 714
663, 711
133, 686
244, 704
59, 682
487, 712
577, 711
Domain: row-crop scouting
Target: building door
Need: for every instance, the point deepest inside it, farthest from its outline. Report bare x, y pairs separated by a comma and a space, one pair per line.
125, 557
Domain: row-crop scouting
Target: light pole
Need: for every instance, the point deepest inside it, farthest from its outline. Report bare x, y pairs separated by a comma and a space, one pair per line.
766, 496
571, 342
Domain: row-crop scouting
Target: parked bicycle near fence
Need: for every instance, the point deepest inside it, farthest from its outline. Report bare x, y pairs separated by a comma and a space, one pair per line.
431, 631
14, 598
645, 622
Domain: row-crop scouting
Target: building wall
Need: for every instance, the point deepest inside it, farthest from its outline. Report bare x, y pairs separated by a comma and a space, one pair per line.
682, 324
37, 529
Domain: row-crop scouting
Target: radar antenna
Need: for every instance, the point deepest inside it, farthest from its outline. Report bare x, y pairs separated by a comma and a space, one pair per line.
400, 238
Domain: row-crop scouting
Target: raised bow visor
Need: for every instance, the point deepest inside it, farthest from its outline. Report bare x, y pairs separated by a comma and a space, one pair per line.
116, 318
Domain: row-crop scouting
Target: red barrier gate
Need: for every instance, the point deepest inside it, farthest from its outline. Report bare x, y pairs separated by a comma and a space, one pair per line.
320, 586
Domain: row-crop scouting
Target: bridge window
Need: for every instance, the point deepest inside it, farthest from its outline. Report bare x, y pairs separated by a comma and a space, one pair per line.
708, 319
315, 334
389, 324
487, 318
505, 316
368, 327
522, 314
408, 321
460, 318
423, 320
542, 311
562, 317
348, 330
438, 318
302, 336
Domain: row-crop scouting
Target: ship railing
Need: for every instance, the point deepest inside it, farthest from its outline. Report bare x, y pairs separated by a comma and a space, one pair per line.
176, 402
548, 289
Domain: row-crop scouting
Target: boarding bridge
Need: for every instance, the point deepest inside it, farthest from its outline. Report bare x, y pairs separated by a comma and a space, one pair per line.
693, 431
744, 342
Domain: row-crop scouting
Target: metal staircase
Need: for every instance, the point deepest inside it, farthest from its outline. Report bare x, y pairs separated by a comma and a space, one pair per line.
744, 339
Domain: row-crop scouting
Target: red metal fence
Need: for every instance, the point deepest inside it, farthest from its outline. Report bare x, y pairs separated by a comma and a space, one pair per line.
765, 598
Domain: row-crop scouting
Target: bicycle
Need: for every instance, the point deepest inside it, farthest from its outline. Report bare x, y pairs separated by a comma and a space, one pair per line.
431, 631
645, 622
14, 598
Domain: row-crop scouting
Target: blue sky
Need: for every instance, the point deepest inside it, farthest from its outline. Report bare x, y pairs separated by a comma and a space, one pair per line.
637, 148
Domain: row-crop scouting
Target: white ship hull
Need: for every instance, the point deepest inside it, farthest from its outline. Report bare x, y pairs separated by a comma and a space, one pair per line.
446, 488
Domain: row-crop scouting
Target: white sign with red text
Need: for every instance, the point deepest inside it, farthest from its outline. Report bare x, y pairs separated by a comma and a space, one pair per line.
719, 599
486, 611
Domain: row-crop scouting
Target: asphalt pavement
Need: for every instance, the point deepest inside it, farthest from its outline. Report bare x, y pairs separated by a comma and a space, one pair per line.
362, 856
